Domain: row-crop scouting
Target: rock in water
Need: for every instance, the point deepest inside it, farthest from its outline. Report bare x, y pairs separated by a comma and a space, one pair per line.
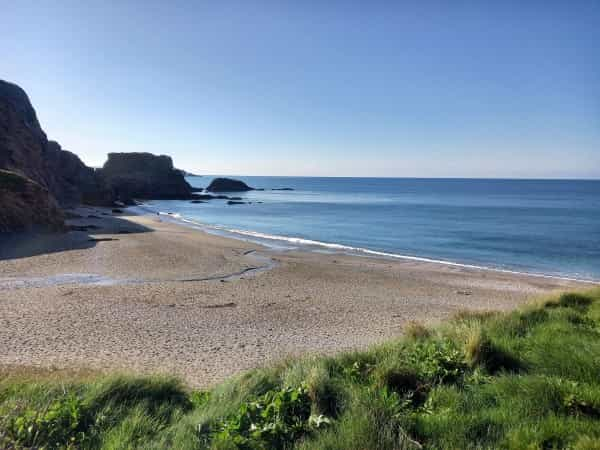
144, 176
228, 185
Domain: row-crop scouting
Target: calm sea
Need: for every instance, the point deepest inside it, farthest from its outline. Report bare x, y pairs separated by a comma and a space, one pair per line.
543, 226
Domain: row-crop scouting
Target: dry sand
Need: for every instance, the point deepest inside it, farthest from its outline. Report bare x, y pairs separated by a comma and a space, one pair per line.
144, 295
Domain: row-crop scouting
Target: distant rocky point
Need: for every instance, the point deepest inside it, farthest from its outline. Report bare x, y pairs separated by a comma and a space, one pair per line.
185, 173
228, 185
144, 176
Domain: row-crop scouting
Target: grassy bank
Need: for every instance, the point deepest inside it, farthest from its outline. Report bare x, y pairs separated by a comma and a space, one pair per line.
526, 379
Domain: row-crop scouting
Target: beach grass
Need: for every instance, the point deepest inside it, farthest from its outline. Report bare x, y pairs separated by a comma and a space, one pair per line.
527, 379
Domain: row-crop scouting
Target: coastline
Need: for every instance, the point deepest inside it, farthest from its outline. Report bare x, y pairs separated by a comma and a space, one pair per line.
303, 244
169, 298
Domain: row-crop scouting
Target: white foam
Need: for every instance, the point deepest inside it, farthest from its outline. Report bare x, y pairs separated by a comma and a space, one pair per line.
302, 242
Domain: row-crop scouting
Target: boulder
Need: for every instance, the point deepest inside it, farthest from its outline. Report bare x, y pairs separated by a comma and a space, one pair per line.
228, 185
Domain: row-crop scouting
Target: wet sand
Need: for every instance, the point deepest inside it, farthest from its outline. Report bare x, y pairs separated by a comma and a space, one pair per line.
140, 294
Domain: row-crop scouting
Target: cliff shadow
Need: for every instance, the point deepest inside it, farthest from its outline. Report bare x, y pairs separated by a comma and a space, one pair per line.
86, 229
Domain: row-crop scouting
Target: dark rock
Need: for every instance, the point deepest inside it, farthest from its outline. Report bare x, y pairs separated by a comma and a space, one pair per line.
203, 196
72, 215
227, 185
144, 176
282, 189
185, 173
101, 239
233, 202
235, 198
83, 227
117, 211
27, 205
92, 216
198, 201
25, 149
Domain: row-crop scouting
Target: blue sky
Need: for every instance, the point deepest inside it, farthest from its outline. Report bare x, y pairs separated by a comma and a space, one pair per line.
465, 88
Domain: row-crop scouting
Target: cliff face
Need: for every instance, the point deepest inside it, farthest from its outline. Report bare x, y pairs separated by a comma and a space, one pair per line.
25, 149
144, 176
25, 205
51, 176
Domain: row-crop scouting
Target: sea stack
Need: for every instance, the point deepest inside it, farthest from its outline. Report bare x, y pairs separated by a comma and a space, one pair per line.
228, 185
144, 176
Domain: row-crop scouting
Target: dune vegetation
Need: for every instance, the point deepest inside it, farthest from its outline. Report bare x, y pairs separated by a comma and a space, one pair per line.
528, 379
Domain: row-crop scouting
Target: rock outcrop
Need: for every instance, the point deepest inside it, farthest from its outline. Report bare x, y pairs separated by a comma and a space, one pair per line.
25, 149
52, 177
143, 176
26, 205
228, 185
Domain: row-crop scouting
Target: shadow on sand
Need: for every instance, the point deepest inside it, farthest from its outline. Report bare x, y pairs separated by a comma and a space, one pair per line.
86, 231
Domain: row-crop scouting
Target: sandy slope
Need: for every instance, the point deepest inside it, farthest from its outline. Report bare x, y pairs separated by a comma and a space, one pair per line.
74, 302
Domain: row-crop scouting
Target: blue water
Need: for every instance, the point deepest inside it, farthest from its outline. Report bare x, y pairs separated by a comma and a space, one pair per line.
541, 226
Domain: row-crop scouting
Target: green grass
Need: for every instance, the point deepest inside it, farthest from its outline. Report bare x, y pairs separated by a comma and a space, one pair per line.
528, 379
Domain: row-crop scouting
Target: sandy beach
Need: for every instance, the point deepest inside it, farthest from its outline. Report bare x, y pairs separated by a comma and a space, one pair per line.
141, 294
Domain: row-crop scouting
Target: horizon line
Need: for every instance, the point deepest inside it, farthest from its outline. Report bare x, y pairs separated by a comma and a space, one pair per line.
404, 177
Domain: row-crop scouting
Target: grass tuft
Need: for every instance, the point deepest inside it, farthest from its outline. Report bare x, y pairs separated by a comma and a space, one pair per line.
416, 331
481, 351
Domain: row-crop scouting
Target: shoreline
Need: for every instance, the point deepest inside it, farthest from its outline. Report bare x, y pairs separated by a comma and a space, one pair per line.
184, 316
306, 244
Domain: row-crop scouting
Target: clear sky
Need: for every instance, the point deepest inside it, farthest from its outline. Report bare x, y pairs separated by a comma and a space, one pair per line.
364, 88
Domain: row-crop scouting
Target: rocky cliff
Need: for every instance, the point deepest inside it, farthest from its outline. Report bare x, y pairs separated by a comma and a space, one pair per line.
51, 176
25, 149
144, 176
26, 205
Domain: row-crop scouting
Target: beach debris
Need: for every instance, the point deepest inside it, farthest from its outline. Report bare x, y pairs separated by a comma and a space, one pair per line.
221, 305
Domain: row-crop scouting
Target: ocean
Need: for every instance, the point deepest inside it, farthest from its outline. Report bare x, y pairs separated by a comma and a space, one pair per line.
549, 227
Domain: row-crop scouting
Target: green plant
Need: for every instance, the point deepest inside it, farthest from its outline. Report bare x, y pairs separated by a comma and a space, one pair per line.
437, 361
57, 426
271, 421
